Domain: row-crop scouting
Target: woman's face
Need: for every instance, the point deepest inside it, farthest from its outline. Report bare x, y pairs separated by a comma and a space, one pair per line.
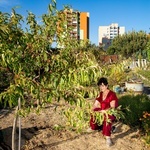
103, 87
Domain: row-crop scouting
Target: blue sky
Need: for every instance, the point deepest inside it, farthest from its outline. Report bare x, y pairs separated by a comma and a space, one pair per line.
133, 14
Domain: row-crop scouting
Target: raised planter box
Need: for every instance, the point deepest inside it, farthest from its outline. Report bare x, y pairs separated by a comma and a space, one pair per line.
137, 87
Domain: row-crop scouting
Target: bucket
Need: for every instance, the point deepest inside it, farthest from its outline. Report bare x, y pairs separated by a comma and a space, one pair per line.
117, 88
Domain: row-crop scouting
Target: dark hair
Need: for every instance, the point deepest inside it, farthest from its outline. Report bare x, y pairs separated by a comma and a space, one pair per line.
102, 80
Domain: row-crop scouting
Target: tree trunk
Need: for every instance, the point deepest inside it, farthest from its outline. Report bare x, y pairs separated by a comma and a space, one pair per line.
14, 130
19, 144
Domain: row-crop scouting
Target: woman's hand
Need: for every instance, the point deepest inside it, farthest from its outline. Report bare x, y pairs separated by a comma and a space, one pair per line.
96, 105
103, 111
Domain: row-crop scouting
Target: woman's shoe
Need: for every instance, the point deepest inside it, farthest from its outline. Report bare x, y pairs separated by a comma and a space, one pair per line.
89, 130
109, 142
113, 129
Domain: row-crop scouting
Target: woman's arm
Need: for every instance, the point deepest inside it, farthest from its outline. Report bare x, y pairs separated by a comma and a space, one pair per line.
113, 104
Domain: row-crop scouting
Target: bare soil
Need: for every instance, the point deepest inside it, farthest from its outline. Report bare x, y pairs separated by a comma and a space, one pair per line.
39, 133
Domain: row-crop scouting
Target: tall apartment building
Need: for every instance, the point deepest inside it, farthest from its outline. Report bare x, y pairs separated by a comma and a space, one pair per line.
78, 22
107, 33
72, 22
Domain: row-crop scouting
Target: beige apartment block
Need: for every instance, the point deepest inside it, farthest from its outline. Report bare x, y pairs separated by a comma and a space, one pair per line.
107, 33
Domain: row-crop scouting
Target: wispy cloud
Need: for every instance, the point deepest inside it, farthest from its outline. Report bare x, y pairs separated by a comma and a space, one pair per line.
8, 3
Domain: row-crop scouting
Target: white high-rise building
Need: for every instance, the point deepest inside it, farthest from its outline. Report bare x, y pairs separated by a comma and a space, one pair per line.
107, 33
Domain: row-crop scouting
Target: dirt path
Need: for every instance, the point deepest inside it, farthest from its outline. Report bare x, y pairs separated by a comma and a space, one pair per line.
38, 133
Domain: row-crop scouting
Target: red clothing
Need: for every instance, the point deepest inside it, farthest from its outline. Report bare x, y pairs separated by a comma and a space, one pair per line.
105, 104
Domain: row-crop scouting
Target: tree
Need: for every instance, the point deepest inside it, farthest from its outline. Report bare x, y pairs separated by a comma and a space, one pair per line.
39, 75
148, 50
129, 44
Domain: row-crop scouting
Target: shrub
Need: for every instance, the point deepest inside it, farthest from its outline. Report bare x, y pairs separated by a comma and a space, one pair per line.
133, 108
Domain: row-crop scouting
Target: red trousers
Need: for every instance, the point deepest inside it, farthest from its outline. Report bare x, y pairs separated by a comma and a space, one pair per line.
106, 127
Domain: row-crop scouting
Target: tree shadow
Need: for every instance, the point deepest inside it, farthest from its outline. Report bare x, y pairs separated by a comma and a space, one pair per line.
6, 136
121, 133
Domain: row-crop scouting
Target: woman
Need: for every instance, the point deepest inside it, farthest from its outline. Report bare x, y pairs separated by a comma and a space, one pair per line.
107, 99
